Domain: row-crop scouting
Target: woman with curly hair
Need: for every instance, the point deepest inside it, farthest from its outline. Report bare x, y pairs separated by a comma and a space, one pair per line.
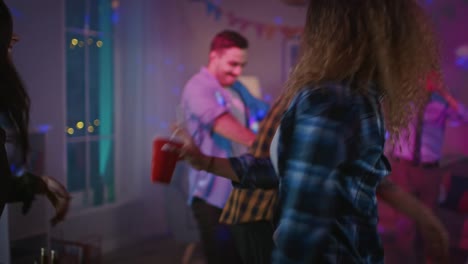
359, 60
14, 114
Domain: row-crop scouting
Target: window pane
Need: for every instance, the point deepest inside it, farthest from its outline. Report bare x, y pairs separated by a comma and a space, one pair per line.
101, 87
76, 95
102, 171
94, 14
90, 100
101, 15
76, 169
75, 13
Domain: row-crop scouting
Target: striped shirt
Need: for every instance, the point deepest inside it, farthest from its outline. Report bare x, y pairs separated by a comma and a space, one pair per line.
254, 204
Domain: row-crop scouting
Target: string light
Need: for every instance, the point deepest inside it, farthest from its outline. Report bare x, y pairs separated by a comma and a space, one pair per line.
97, 122
80, 125
90, 129
80, 43
70, 131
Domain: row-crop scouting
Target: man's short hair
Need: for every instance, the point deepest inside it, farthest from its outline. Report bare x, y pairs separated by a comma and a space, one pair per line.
228, 39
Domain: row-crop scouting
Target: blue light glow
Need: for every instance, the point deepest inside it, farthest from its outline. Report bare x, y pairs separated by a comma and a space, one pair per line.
44, 128
16, 13
115, 17
278, 20
181, 68
462, 62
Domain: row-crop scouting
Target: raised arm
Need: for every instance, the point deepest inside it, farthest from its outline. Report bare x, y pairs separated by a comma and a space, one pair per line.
434, 233
457, 112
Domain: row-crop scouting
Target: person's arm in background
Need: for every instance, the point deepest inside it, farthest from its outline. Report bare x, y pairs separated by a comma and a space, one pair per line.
24, 188
227, 126
457, 112
245, 170
434, 84
435, 236
453, 103
203, 100
238, 169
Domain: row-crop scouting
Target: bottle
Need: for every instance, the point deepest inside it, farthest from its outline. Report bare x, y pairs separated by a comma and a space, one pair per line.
53, 257
44, 257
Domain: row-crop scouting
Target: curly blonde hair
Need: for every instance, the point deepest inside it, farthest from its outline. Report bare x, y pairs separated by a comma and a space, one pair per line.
386, 42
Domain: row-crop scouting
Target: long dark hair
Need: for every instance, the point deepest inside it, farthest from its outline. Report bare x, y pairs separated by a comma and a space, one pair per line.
14, 100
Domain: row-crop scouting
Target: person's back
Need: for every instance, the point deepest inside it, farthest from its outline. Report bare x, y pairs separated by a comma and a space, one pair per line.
336, 201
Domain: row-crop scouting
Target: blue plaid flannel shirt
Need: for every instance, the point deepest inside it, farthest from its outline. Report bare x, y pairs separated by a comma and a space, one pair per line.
330, 161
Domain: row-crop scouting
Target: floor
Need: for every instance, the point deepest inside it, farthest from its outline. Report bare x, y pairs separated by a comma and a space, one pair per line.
168, 251
160, 251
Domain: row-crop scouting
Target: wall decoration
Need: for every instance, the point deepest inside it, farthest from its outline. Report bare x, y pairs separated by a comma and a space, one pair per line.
291, 48
266, 30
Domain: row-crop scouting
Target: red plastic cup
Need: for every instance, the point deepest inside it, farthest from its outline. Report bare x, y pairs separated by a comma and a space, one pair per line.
163, 162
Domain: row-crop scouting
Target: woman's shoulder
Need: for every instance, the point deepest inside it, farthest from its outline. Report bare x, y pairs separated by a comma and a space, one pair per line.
331, 94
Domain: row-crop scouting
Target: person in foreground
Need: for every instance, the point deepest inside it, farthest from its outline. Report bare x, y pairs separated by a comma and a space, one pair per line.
434, 234
14, 114
358, 59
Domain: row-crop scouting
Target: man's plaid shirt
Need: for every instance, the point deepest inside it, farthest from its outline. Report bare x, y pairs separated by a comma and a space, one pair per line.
247, 204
